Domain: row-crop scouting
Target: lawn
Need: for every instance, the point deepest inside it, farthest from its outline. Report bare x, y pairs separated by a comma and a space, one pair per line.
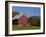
16, 27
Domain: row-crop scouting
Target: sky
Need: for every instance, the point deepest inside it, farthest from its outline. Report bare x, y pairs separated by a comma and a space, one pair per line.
28, 11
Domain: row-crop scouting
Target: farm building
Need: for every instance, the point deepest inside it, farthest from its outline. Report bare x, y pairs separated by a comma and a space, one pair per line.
20, 19
23, 20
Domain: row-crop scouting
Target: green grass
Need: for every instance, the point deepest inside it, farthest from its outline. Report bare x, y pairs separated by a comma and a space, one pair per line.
16, 27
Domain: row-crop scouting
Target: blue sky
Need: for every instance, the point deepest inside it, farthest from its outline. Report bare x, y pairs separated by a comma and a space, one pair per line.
28, 11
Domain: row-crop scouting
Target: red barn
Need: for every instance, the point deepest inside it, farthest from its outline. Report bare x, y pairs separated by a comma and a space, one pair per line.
23, 21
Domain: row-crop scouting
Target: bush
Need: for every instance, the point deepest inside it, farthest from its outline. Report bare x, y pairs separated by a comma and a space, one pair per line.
35, 21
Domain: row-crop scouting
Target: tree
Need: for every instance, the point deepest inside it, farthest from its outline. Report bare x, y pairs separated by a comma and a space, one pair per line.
15, 22
34, 21
15, 13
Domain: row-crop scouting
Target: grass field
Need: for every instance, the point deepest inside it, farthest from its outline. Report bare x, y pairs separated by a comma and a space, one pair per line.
16, 27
